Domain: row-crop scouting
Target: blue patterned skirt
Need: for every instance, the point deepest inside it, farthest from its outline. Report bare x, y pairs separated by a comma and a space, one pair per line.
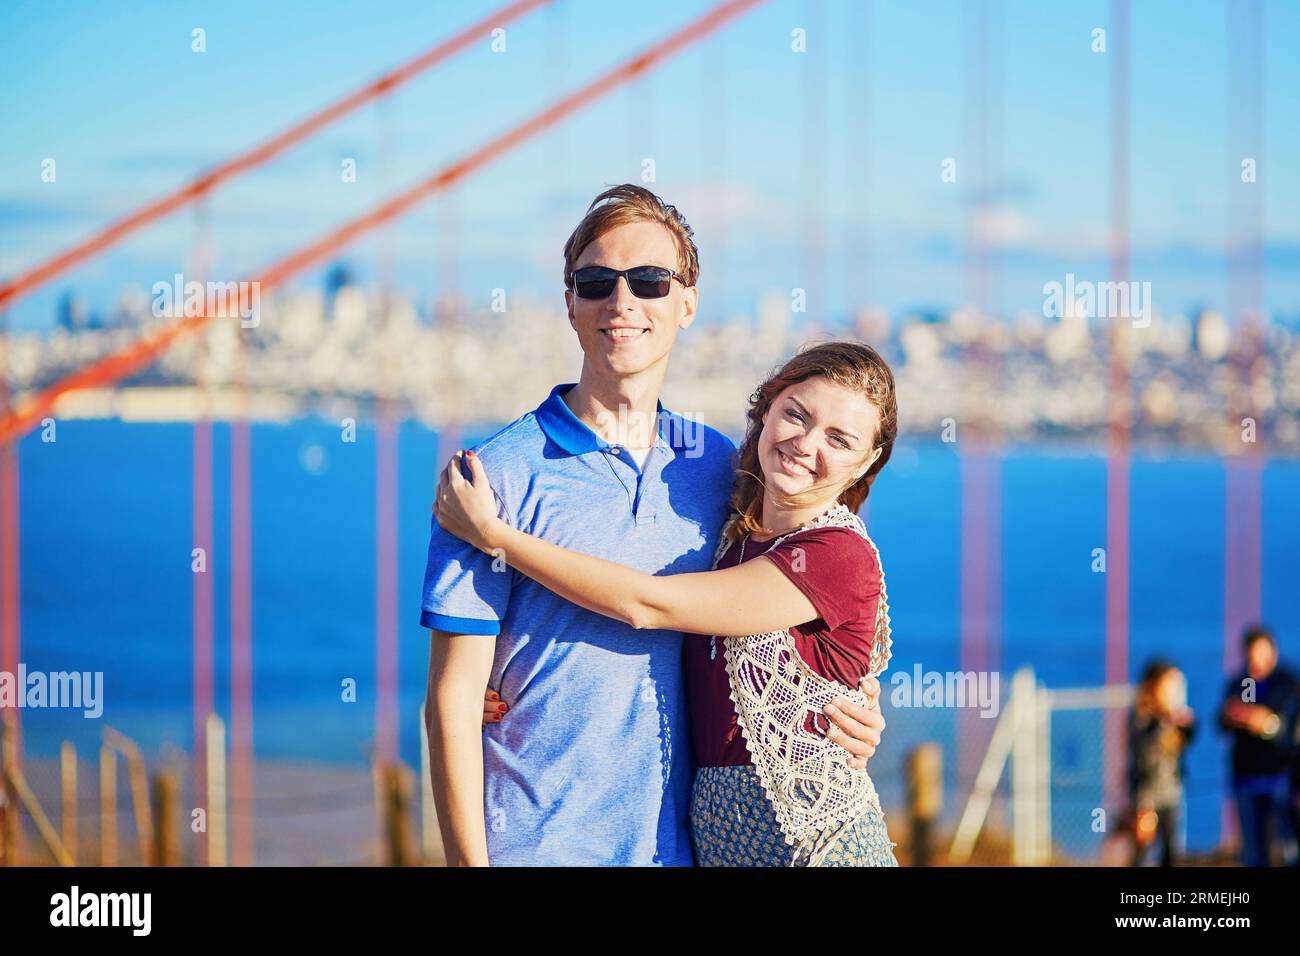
733, 824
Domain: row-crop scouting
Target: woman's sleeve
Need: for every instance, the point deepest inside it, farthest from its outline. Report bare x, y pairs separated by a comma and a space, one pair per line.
834, 568
837, 570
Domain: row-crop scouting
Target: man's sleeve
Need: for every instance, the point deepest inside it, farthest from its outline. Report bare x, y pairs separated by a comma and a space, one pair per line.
1289, 715
465, 590
1231, 691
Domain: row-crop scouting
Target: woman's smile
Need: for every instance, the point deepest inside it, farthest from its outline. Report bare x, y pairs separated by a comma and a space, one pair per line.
793, 467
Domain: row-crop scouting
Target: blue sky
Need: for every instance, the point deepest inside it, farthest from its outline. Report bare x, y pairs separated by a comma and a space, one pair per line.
819, 170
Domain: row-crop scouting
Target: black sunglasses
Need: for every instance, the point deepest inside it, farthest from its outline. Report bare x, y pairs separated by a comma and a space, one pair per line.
646, 282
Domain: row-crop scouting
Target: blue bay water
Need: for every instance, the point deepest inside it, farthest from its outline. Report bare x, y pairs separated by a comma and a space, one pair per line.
106, 582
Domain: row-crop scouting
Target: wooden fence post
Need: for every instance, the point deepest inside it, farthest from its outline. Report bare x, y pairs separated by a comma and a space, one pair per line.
166, 798
924, 799
68, 790
107, 806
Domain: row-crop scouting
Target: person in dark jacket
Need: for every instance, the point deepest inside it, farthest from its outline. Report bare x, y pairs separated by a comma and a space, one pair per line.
1295, 783
1259, 710
1160, 727
1294, 809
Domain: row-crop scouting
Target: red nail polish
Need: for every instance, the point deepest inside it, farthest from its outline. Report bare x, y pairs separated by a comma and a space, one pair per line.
502, 707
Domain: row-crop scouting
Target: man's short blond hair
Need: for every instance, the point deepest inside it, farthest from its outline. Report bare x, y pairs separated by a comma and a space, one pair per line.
628, 203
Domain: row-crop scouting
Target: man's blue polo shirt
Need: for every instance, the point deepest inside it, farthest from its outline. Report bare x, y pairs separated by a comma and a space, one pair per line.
592, 764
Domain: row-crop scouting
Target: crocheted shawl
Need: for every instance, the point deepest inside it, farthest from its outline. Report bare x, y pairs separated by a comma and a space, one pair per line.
804, 774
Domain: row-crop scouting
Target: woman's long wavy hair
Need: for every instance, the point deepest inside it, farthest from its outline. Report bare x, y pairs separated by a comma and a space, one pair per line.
849, 364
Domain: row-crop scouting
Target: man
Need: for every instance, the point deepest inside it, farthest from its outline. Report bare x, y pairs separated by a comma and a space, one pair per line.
1293, 796
1259, 710
592, 765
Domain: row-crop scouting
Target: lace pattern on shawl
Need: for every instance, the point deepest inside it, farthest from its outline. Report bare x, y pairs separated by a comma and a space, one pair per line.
805, 776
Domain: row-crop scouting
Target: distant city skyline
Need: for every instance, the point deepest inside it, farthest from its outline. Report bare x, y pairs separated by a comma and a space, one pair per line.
340, 349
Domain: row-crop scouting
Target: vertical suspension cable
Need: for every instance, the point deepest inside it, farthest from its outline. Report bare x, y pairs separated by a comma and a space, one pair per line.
1244, 309
386, 469
1118, 468
10, 542
980, 454
201, 496
812, 145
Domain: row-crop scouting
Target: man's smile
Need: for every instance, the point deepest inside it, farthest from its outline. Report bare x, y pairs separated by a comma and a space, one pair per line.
624, 333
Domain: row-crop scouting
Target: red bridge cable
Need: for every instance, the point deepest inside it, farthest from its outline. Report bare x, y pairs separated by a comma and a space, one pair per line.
117, 366
13, 290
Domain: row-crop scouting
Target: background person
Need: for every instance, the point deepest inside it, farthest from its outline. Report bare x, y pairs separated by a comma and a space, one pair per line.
1259, 711
1161, 726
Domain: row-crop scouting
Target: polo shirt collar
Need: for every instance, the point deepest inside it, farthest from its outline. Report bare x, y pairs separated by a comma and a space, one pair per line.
569, 431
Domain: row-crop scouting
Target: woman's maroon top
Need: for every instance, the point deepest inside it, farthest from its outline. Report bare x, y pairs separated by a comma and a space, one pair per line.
836, 568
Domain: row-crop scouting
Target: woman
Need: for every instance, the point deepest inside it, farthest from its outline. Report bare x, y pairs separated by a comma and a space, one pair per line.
1161, 726
782, 637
